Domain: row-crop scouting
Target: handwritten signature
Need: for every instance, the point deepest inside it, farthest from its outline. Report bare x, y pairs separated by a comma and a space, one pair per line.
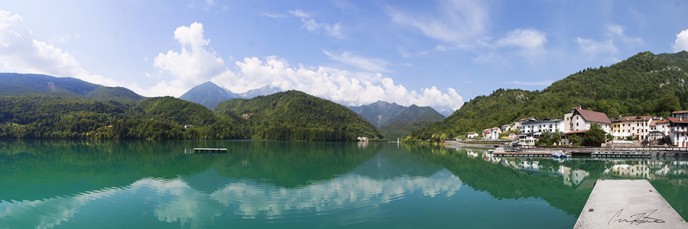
635, 219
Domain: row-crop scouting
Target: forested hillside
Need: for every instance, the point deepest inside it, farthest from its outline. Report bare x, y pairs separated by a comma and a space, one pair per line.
294, 115
39, 106
644, 84
39, 116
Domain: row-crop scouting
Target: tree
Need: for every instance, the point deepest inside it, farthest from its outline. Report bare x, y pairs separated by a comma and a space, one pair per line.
668, 103
574, 140
556, 138
544, 140
595, 136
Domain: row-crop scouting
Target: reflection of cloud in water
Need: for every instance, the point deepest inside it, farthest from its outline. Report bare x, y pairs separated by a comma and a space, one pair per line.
191, 208
342, 192
47, 213
176, 201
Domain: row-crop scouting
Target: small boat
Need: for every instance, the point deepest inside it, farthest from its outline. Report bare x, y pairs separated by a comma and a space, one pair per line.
559, 154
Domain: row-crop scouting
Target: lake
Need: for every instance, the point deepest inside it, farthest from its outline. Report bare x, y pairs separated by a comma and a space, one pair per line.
72, 184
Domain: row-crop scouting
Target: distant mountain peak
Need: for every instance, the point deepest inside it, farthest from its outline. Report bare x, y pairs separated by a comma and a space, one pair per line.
208, 94
266, 90
395, 120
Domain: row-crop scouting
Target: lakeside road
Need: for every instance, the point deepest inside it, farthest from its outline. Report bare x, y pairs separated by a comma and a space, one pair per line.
451, 144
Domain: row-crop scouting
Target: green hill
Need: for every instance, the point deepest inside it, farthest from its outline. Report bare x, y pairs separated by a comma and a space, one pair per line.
45, 116
644, 84
176, 110
294, 115
114, 94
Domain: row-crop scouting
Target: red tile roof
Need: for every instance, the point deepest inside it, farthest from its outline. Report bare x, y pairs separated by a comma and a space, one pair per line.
678, 120
631, 118
656, 122
592, 116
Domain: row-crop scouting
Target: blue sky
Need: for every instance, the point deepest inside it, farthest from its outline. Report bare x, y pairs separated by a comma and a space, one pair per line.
433, 53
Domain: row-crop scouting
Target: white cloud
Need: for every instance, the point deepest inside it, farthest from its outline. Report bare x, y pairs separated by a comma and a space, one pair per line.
615, 35
455, 21
333, 30
362, 63
617, 31
345, 87
526, 38
196, 63
193, 64
681, 43
594, 47
21, 52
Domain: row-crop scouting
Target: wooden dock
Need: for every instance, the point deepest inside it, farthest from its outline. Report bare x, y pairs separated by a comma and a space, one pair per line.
627, 204
209, 150
631, 152
622, 154
522, 154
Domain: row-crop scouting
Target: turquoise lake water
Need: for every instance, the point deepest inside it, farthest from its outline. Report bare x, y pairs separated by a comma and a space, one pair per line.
67, 184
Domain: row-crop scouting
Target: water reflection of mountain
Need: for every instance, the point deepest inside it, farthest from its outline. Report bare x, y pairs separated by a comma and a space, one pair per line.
293, 164
204, 194
565, 185
66, 167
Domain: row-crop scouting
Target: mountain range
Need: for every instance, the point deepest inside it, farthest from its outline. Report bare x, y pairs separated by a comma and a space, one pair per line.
41, 106
15, 84
210, 94
644, 84
394, 120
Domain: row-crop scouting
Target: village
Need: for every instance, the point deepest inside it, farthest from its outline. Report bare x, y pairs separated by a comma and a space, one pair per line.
624, 131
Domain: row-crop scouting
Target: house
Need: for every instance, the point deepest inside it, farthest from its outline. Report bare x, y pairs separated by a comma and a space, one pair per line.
660, 125
514, 126
491, 134
472, 135
494, 135
531, 129
678, 131
636, 127
679, 114
580, 120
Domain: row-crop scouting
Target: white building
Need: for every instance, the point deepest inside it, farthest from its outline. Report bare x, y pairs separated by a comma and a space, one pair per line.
678, 131
539, 126
582, 119
492, 134
472, 135
531, 129
660, 125
636, 127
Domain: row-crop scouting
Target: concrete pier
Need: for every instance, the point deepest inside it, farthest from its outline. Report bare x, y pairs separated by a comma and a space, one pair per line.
628, 204
209, 150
